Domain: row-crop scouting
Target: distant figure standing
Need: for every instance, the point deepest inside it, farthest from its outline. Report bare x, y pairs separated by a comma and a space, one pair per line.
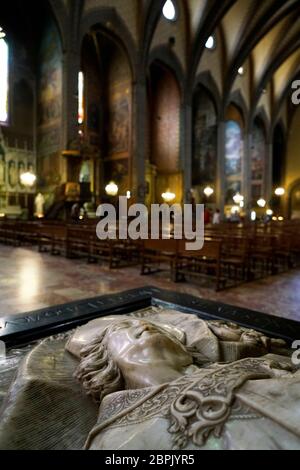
207, 216
217, 217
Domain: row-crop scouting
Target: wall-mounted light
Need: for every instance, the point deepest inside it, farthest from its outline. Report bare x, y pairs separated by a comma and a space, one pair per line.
28, 179
241, 71
269, 212
253, 216
261, 203
208, 191
112, 189
128, 195
279, 191
168, 196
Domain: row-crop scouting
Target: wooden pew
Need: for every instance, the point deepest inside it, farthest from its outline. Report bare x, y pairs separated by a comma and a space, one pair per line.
204, 263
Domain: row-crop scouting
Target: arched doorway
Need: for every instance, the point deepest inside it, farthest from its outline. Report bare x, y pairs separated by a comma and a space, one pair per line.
164, 100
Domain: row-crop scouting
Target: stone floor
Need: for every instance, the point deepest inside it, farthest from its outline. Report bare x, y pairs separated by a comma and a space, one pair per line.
30, 281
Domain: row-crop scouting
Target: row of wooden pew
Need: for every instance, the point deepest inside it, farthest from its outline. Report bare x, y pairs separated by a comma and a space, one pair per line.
231, 254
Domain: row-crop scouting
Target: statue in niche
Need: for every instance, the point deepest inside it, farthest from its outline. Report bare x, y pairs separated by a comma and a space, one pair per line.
2, 169
157, 379
39, 204
13, 177
21, 170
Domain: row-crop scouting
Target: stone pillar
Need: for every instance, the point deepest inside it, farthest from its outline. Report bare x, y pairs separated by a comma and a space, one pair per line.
140, 139
71, 68
186, 142
221, 178
247, 173
269, 171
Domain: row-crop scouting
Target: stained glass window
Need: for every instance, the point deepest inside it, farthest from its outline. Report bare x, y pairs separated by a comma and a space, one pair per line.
80, 98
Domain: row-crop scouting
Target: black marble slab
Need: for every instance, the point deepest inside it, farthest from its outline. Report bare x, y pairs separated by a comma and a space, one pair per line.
21, 329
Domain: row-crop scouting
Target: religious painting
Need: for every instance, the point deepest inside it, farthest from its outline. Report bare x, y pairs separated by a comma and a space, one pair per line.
234, 155
50, 78
165, 120
49, 104
204, 140
118, 137
234, 149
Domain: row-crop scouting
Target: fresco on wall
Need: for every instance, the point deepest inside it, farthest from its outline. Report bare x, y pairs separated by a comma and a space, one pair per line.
118, 136
234, 153
50, 78
234, 149
165, 121
204, 140
258, 160
49, 101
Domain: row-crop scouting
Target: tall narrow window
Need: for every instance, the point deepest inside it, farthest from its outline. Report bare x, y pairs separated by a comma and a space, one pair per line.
80, 98
3, 77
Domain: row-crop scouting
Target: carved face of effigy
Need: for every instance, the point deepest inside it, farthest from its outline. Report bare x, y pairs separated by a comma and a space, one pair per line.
138, 345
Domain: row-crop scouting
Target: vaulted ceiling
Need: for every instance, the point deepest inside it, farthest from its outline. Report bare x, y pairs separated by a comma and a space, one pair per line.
261, 34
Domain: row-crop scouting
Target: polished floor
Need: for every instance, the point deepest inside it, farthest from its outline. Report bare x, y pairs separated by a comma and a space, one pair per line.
30, 281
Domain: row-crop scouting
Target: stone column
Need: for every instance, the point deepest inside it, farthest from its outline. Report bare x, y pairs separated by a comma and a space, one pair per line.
186, 142
71, 68
221, 178
140, 139
247, 173
269, 171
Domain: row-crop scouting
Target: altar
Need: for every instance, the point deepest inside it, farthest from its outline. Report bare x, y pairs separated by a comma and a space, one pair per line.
169, 370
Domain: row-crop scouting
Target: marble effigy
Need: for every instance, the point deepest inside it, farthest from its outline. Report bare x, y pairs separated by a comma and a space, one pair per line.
157, 379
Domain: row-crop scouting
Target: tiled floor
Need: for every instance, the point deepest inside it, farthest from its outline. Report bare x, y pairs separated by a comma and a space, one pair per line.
30, 281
